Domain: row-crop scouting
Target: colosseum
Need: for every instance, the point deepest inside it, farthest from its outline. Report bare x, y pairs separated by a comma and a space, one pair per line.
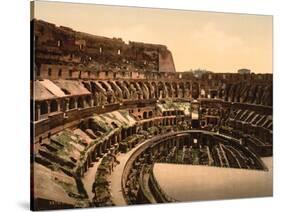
114, 123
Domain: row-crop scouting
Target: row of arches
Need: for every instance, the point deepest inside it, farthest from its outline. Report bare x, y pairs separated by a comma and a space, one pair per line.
136, 90
110, 92
47, 107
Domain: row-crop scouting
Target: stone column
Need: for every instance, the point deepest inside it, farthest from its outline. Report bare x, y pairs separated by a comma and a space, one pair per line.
59, 105
49, 107
177, 90
67, 104
91, 102
75, 103
37, 112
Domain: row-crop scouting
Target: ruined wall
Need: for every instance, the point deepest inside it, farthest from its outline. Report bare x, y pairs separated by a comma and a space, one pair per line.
62, 45
166, 62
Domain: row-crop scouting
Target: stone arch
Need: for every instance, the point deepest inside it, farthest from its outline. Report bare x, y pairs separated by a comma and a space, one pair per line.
124, 89
187, 89
44, 107
195, 90
105, 87
181, 90
145, 115
117, 91
54, 106
72, 103
150, 90
142, 87
137, 94
169, 89
88, 101
161, 90
109, 92
128, 87
154, 89
80, 102
175, 89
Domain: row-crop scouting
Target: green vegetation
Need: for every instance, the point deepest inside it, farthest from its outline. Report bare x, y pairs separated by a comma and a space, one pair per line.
101, 185
153, 130
170, 105
65, 139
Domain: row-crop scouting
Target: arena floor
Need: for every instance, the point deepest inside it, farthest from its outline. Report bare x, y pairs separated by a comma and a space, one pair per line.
191, 183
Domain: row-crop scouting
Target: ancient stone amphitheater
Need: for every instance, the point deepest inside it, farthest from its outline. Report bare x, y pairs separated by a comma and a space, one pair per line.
106, 112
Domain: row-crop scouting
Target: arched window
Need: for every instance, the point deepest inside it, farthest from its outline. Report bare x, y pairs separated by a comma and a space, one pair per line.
54, 106
43, 107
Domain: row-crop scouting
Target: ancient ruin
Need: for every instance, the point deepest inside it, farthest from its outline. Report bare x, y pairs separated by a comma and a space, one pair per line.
105, 112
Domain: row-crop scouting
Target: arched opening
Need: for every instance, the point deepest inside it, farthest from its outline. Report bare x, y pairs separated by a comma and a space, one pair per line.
155, 90
169, 89
195, 90
80, 102
43, 107
161, 91
60, 72
88, 101
38, 71
145, 115
175, 89
54, 106
181, 90
71, 103
49, 72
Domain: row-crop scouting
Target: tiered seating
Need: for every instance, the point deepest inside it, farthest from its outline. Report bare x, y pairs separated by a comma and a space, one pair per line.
255, 129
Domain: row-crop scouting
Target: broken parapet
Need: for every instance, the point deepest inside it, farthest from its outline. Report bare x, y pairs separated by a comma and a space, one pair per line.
62, 45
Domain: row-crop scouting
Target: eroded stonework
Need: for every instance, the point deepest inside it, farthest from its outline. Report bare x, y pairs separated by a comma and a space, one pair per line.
105, 111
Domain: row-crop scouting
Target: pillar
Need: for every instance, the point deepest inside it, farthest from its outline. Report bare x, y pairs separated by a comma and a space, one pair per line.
49, 107
91, 102
37, 112
67, 104
59, 105
75, 103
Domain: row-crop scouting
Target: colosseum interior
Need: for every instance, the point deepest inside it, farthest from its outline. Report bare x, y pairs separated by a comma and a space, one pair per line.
113, 123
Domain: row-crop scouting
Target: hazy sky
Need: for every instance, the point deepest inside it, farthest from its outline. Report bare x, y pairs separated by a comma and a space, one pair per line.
217, 42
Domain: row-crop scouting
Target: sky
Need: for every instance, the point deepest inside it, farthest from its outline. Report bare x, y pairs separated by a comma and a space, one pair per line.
218, 42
